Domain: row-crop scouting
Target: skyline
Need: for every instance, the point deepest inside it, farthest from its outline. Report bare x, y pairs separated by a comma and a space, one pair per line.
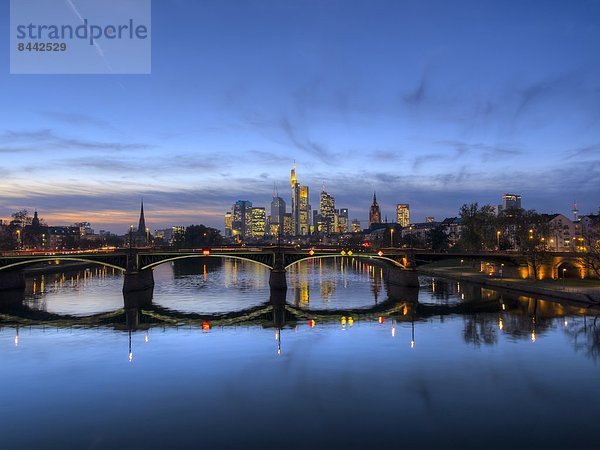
433, 104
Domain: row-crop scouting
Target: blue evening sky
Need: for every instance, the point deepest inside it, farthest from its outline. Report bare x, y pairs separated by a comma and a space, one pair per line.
431, 103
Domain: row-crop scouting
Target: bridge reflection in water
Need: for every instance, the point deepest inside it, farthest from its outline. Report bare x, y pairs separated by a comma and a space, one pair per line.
486, 313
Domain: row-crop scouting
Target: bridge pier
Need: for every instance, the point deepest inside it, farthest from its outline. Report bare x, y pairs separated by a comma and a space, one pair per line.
403, 277
277, 279
12, 280
277, 300
138, 280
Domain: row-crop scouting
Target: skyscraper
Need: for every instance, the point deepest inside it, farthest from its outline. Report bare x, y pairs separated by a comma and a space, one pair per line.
242, 219
228, 223
327, 212
259, 222
300, 206
277, 212
403, 214
511, 201
374, 213
342, 220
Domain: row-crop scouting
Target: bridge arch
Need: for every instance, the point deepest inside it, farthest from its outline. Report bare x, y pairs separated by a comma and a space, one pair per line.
571, 269
390, 261
28, 262
201, 255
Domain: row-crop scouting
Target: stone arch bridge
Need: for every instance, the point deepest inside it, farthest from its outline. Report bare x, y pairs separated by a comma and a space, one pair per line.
137, 264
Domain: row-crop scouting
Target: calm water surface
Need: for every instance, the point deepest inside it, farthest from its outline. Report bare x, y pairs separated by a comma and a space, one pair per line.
356, 364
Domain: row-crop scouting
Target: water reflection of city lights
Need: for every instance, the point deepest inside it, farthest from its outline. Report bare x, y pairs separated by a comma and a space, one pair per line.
350, 321
130, 356
412, 344
205, 326
533, 336
311, 323
146, 337
500, 323
503, 307
566, 322
17, 340
381, 319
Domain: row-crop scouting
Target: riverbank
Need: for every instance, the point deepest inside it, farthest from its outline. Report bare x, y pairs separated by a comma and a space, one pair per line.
580, 291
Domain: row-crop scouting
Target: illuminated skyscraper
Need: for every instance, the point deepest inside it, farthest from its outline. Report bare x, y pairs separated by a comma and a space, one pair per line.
342, 220
259, 222
300, 206
242, 218
374, 213
277, 212
356, 226
511, 201
403, 214
228, 223
327, 212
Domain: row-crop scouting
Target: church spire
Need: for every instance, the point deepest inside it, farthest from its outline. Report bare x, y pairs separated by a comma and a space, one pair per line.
142, 224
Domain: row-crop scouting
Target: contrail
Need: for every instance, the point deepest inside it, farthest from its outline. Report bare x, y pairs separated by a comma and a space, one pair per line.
98, 48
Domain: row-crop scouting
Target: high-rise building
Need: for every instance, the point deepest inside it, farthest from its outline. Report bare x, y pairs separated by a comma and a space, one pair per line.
288, 224
327, 212
277, 213
228, 223
242, 219
511, 201
356, 226
374, 212
300, 206
259, 222
403, 214
342, 220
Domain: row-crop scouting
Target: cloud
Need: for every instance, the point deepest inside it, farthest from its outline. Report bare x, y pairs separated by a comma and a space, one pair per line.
79, 119
46, 139
417, 96
583, 152
485, 152
303, 142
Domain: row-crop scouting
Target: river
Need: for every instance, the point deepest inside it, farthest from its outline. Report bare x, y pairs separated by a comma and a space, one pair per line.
351, 363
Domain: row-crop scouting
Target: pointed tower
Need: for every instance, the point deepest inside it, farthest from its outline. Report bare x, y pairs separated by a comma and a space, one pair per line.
141, 231
374, 212
36, 220
575, 212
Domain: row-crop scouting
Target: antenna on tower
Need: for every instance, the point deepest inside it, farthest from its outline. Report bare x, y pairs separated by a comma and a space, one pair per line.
575, 211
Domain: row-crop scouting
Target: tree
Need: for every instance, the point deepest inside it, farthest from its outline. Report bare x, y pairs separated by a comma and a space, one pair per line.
438, 239
591, 242
479, 227
531, 233
198, 236
21, 218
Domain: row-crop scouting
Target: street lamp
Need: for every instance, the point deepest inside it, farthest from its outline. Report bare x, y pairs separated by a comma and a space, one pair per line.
391, 237
501, 269
563, 276
498, 238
